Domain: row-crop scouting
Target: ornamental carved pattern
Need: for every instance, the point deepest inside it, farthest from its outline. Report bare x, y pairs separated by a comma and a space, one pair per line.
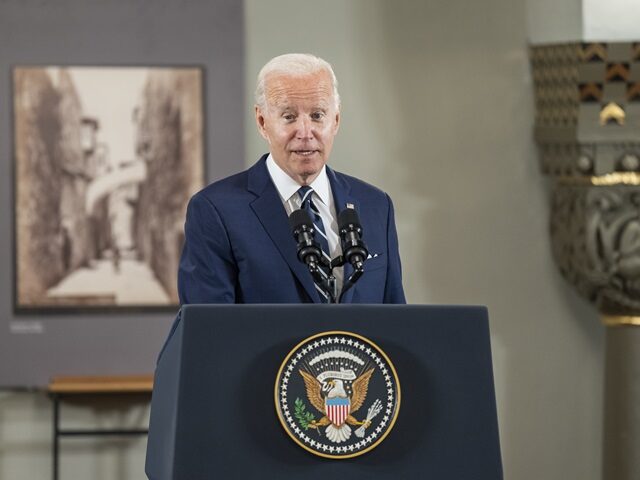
595, 234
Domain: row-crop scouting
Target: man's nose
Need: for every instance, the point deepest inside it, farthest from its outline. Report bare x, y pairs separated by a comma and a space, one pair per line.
305, 129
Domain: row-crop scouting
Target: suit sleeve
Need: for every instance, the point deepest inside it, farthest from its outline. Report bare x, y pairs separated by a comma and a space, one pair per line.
393, 291
208, 272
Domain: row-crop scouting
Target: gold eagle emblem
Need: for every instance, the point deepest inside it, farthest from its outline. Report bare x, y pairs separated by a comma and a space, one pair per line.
323, 394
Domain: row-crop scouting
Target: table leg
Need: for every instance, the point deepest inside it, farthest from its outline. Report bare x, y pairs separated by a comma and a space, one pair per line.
56, 436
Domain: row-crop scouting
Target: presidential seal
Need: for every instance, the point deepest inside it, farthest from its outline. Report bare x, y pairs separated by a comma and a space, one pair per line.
337, 395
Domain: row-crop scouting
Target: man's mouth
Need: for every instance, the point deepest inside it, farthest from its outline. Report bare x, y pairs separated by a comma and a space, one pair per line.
305, 153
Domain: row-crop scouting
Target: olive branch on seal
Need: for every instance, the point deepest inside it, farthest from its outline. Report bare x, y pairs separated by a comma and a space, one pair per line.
300, 412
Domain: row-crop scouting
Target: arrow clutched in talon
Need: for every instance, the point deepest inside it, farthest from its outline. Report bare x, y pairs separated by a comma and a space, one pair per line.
374, 410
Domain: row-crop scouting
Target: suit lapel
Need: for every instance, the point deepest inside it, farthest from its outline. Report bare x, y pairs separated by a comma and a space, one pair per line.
342, 197
273, 216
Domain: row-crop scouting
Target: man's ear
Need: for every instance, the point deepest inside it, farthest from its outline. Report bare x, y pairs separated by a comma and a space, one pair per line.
336, 126
260, 123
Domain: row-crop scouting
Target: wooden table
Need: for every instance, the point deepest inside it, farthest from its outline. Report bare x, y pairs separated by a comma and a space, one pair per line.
67, 387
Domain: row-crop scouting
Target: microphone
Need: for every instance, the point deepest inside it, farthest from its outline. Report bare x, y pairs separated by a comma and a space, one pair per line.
353, 248
309, 251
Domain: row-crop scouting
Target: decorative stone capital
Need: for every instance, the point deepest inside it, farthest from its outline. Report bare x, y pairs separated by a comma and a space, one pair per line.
588, 132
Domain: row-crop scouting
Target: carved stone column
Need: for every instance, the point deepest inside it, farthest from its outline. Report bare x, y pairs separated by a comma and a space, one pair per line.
588, 132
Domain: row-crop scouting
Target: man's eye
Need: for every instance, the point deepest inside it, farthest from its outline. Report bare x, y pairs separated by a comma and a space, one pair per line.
317, 115
288, 117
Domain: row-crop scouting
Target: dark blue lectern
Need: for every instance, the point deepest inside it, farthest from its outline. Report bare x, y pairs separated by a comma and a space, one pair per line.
213, 413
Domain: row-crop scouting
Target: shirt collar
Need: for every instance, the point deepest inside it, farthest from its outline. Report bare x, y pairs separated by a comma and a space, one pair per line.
287, 186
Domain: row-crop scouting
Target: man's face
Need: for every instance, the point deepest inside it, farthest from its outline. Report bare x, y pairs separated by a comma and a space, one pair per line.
299, 122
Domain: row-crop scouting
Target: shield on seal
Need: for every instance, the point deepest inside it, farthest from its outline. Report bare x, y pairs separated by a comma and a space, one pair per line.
337, 410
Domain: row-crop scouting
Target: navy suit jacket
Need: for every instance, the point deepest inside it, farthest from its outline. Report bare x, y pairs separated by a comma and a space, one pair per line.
239, 247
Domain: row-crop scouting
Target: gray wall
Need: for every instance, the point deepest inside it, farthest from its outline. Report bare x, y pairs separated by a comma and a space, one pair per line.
77, 32
554, 21
438, 112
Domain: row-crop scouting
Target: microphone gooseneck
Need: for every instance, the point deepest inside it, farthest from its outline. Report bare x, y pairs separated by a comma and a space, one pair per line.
302, 227
354, 251
353, 248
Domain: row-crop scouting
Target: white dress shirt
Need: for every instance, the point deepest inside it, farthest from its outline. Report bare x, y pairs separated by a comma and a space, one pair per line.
323, 200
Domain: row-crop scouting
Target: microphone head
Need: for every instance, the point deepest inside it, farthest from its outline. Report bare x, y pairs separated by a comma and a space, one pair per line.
300, 218
348, 216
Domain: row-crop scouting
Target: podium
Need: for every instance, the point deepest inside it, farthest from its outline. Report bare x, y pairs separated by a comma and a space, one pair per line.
213, 414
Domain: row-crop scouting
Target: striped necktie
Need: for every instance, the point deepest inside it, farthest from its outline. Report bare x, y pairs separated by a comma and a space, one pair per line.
306, 203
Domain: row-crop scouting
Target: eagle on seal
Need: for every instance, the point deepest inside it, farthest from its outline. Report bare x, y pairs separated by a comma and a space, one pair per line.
330, 398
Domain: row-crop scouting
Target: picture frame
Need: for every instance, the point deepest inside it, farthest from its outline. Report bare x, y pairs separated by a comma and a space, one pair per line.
105, 161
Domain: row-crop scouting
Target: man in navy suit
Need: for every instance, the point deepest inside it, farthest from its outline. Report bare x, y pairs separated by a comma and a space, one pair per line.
238, 244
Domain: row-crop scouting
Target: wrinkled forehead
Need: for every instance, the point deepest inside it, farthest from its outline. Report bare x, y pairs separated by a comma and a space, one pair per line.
283, 90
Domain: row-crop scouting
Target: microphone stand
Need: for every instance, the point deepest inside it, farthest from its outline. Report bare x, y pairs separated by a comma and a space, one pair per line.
327, 282
358, 270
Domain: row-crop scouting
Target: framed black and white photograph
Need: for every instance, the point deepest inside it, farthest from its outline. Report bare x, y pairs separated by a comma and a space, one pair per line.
106, 159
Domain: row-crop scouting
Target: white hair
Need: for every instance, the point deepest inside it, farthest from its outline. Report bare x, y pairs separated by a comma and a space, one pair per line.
294, 64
